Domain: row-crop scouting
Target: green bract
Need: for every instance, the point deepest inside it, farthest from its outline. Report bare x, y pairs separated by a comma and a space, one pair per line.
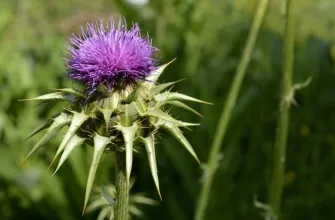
116, 120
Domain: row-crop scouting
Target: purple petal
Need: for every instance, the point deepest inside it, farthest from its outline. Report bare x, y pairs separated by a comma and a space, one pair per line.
107, 54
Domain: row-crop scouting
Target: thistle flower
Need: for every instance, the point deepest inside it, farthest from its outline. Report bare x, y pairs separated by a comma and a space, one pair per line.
127, 111
110, 55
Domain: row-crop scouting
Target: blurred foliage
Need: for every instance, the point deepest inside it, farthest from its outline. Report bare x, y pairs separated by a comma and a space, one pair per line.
207, 37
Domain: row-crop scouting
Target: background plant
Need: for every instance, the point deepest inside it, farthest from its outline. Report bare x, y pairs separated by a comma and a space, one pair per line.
207, 37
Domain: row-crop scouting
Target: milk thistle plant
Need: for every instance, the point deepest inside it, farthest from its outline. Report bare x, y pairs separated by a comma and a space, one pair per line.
122, 105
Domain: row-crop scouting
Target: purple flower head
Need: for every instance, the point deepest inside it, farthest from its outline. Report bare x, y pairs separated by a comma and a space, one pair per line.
109, 55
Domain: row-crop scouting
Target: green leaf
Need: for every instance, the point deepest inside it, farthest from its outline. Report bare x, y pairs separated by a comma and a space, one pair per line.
111, 102
176, 132
154, 75
140, 199
159, 88
74, 142
77, 120
107, 195
111, 214
187, 124
76, 162
95, 205
70, 91
162, 115
132, 96
184, 106
104, 213
42, 127
128, 136
57, 124
161, 122
135, 211
149, 143
107, 115
169, 96
140, 106
52, 96
100, 144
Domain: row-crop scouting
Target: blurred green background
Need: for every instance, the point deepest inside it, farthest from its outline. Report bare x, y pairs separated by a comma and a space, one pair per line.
207, 38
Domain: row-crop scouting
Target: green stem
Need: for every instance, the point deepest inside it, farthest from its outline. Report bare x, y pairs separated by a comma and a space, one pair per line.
284, 108
122, 188
227, 110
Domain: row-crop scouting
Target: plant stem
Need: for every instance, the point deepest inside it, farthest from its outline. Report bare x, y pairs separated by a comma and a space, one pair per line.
284, 108
227, 110
122, 188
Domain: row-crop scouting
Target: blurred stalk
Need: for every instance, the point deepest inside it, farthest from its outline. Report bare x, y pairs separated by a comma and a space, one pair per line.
227, 110
284, 109
122, 187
